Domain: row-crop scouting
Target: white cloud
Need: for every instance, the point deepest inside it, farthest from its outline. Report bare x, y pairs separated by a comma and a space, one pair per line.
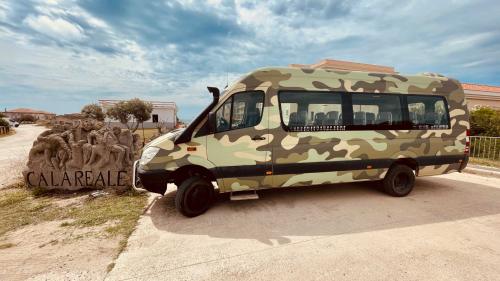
476, 63
56, 28
4, 10
3, 15
56, 69
52, 2
464, 43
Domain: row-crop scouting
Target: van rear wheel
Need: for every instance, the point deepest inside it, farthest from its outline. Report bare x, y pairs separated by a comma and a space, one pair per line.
399, 181
194, 196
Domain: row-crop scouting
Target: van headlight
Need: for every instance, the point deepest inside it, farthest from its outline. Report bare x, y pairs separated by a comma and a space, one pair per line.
148, 154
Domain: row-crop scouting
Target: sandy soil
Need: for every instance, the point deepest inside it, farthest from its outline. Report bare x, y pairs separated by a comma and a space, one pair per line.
14, 152
447, 229
48, 251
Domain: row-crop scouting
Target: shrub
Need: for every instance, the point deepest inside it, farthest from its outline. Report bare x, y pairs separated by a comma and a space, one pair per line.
485, 121
134, 110
93, 111
4, 123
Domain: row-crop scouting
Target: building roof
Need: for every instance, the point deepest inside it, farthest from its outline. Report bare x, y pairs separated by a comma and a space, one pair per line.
29, 111
481, 88
156, 104
347, 65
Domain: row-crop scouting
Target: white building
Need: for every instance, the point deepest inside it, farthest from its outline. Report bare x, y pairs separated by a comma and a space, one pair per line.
482, 95
164, 113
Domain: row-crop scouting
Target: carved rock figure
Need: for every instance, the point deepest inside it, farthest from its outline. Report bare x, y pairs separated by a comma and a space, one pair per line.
56, 151
125, 140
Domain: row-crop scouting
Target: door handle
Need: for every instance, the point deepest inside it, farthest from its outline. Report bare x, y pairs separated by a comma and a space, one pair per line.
258, 138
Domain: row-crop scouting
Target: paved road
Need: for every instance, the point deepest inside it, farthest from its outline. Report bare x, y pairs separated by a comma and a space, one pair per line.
446, 229
14, 152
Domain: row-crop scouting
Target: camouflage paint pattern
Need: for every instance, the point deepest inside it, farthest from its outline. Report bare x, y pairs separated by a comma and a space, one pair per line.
235, 148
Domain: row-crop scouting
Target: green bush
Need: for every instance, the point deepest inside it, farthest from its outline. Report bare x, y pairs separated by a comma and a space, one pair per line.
485, 121
135, 109
94, 111
4, 123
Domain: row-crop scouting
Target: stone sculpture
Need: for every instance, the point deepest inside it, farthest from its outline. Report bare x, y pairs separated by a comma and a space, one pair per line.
85, 154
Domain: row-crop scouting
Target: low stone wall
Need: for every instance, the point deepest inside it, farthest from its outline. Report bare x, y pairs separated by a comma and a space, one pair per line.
82, 154
147, 125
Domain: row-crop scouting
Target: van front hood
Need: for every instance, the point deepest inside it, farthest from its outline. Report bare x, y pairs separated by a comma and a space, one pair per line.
168, 137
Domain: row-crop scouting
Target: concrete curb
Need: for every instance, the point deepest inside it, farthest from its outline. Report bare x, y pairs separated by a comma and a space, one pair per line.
478, 170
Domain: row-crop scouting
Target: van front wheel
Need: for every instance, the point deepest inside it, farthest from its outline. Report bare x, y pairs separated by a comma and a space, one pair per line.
399, 181
194, 196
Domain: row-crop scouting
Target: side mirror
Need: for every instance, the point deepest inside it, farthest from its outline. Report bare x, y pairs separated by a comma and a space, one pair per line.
211, 122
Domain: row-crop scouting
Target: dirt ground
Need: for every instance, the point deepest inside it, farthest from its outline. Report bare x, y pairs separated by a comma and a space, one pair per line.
66, 236
48, 251
447, 229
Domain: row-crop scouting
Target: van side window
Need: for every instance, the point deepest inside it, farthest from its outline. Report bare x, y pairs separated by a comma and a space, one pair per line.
310, 111
223, 116
428, 112
376, 111
242, 110
247, 109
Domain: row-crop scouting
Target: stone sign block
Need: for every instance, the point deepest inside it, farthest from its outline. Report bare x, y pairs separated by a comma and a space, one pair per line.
84, 154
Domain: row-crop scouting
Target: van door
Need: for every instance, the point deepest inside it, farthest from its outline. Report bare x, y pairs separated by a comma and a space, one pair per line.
239, 148
310, 138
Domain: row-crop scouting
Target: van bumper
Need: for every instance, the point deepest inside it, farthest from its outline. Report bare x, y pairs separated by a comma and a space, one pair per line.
151, 180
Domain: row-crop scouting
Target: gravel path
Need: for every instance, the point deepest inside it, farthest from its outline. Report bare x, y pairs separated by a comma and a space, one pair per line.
14, 152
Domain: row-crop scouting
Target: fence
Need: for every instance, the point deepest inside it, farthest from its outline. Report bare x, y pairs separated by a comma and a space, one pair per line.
4, 130
485, 147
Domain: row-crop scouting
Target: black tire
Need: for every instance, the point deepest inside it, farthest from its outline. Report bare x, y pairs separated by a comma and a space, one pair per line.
194, 196
399, 181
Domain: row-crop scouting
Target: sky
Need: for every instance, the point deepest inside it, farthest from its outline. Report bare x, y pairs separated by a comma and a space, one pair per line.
58, 55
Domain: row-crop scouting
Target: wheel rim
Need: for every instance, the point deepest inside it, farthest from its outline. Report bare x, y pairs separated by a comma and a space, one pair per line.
401, 182
198, 198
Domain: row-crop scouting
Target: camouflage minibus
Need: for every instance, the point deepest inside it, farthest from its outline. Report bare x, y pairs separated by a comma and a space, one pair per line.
284, 127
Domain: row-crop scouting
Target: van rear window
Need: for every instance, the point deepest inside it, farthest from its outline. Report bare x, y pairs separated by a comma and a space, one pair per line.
428, 112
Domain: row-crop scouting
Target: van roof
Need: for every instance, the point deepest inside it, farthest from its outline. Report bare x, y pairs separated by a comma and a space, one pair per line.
378, 82
322, 72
